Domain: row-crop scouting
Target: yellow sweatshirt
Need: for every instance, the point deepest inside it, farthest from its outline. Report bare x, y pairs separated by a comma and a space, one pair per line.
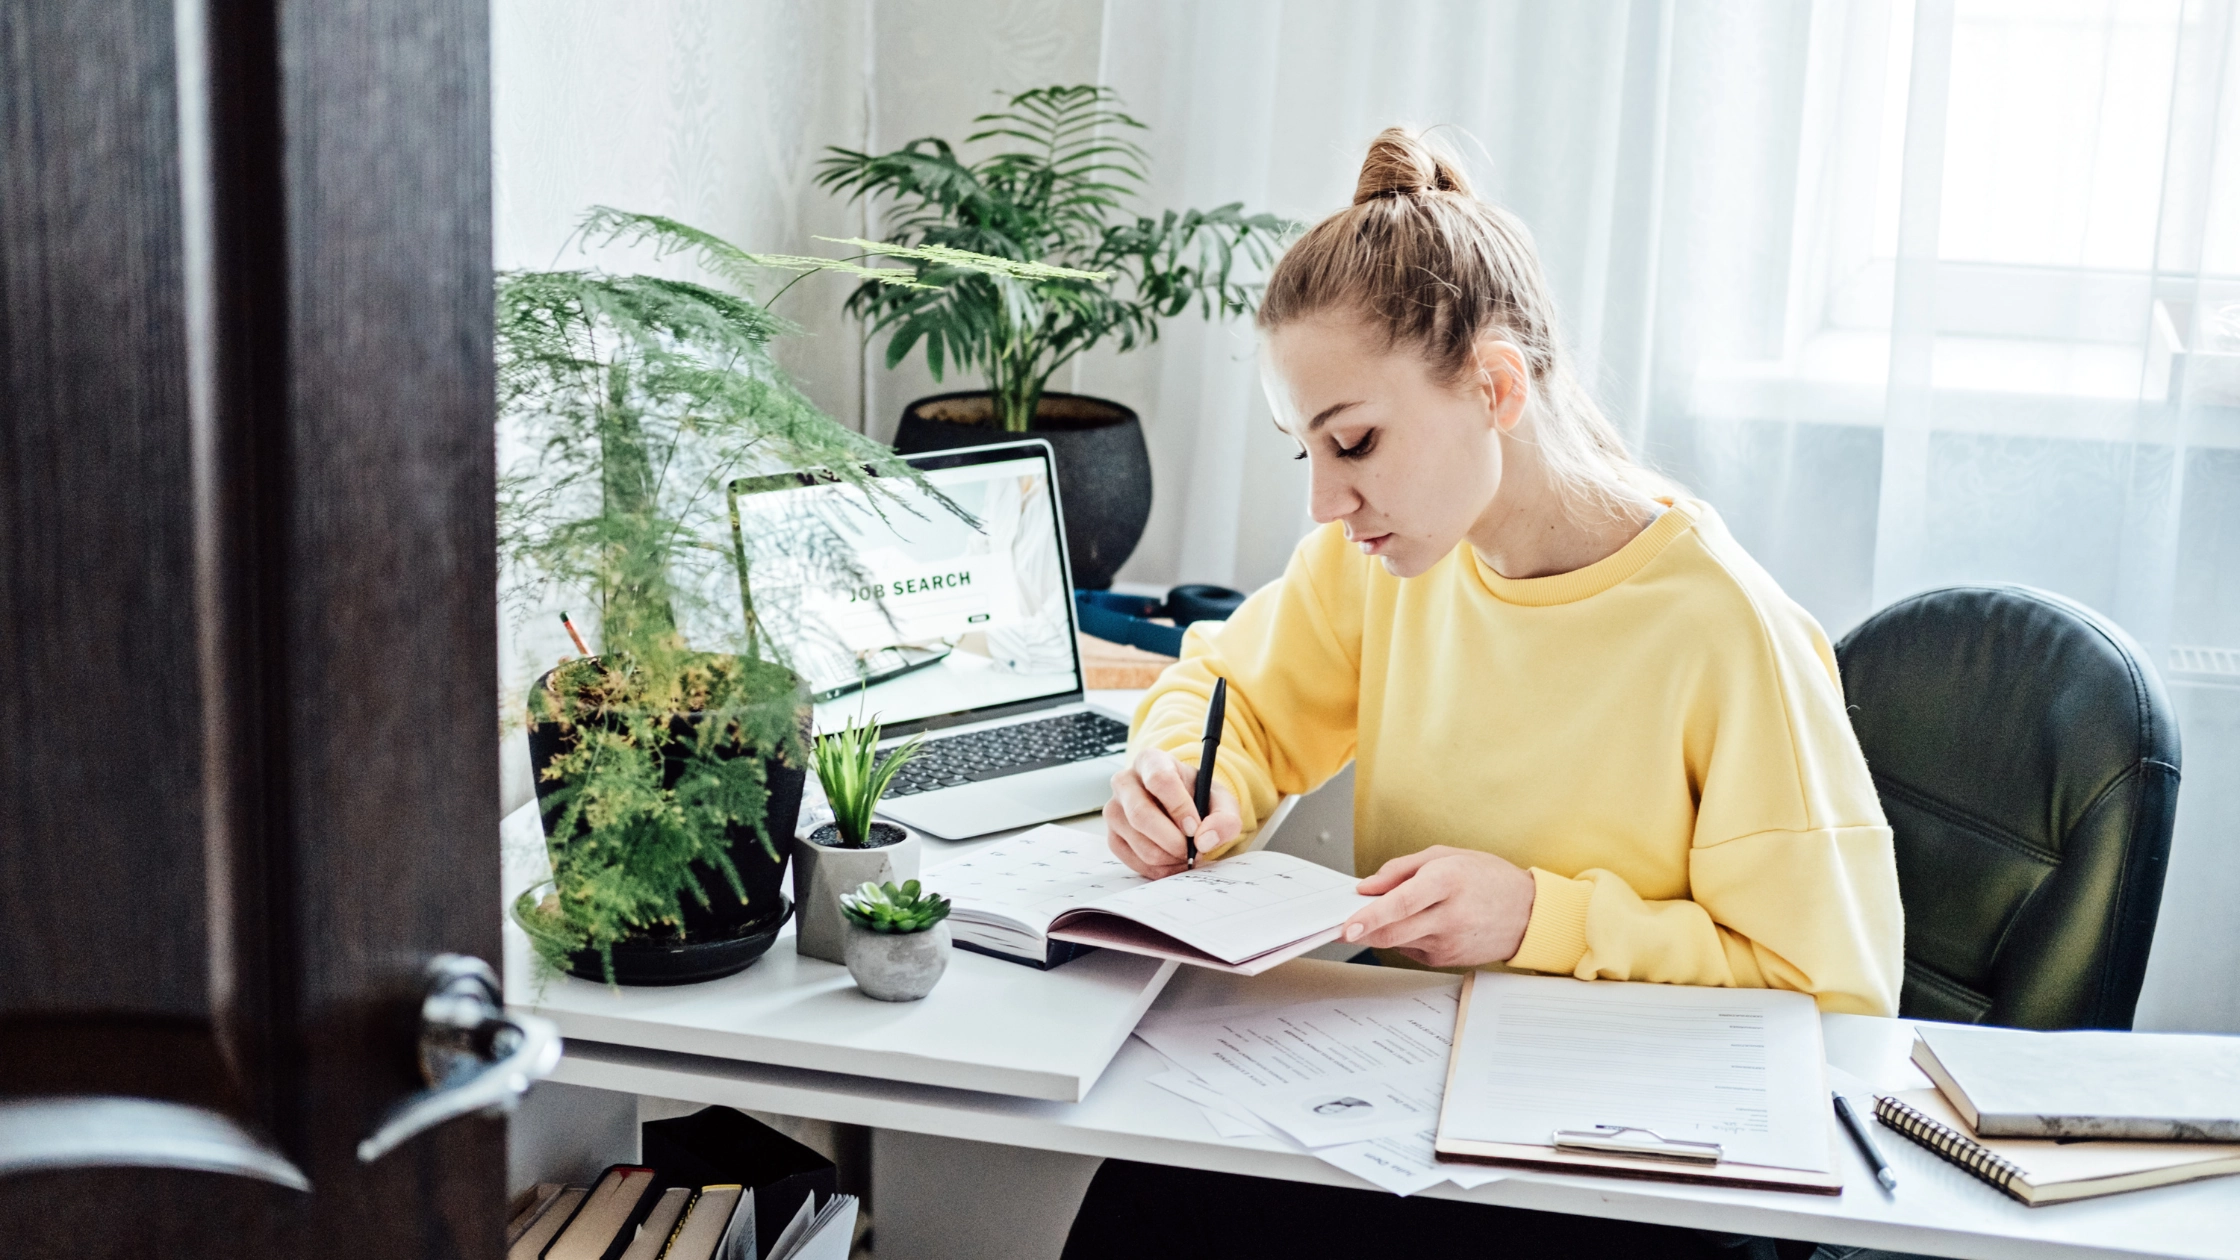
1659, 738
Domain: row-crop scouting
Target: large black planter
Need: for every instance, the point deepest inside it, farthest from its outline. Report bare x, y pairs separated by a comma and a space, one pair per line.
725, 935
1104, 471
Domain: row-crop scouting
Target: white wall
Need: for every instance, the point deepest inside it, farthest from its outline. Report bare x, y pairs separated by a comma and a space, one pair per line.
703, 110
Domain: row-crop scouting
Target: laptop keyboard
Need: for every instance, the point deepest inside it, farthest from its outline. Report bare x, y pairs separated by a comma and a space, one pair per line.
956, 760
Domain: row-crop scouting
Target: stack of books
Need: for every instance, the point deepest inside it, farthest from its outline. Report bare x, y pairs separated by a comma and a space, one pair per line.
2053, 1117
674, 1207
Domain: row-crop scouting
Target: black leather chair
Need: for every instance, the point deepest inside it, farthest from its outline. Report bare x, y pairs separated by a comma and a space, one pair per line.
2027, 758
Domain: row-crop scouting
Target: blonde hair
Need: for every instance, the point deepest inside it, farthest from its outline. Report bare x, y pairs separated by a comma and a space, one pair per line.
1434, 269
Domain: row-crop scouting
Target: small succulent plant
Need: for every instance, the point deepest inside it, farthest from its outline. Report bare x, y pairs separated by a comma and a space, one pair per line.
886, 908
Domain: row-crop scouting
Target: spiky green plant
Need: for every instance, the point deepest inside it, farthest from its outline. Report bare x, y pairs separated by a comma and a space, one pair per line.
631, 401
1058, 191
855, 776
886, 908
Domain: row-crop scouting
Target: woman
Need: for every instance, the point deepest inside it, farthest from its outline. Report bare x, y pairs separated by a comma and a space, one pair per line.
1591, 736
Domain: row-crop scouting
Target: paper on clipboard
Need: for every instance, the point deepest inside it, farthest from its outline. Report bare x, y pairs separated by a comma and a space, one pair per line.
1743, 1068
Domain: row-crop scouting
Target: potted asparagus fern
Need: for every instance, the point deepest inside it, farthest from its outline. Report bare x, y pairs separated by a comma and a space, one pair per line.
670, 761
898, 940
854, 848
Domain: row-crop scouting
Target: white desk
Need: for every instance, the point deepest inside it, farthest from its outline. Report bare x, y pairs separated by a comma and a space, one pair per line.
1937, 1210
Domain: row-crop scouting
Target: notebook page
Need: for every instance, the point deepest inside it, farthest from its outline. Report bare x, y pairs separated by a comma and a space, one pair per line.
1740, 1067
1031, 879
1241, 907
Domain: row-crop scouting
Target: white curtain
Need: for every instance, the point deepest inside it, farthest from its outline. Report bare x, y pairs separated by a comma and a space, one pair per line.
1914, 293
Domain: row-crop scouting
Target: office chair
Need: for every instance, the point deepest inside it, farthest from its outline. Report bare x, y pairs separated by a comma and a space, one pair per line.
2027, 758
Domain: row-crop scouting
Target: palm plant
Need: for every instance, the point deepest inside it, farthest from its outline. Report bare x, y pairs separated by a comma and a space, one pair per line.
1059, 192
632, 401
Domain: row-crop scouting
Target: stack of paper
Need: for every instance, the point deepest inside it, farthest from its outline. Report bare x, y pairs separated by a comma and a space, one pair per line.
1355, 1082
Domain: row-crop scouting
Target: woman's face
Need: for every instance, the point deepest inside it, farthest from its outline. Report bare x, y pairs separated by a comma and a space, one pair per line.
1408, 464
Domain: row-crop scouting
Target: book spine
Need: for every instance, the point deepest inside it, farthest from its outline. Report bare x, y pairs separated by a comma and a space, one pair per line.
1950, 1145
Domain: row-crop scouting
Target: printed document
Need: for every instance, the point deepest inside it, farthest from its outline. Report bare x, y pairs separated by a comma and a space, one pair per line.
1401, 1028
1740, 1067
1323, 1072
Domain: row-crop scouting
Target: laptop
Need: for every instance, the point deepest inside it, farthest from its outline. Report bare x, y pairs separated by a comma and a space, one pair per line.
897, 611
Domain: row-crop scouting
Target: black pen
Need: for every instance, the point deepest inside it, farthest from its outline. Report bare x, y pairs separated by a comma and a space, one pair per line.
1208, 749
1866, 1144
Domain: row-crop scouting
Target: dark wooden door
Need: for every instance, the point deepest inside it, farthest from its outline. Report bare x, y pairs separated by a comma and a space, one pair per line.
248, 764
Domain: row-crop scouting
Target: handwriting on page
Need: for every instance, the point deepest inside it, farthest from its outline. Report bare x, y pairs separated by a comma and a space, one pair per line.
1035, 877
1255, 899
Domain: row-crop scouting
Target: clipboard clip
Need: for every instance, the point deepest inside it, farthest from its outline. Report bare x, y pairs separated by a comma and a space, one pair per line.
1619, 1139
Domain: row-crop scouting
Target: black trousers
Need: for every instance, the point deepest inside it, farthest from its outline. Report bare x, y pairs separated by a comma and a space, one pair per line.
1151, 1212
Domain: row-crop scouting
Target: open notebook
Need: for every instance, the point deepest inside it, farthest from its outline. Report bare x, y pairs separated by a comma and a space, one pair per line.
1029, 897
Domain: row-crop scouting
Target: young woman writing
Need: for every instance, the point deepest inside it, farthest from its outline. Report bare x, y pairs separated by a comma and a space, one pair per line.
1592, 737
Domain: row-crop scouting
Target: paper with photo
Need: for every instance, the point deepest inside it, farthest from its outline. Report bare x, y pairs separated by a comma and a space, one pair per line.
1324, 1072
1402, 1165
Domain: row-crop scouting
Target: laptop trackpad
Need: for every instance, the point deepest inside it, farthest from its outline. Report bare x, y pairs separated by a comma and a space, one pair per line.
1018, 800
1069, 789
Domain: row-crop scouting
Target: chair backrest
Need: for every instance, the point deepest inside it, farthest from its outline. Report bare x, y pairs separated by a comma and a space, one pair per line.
2027, 758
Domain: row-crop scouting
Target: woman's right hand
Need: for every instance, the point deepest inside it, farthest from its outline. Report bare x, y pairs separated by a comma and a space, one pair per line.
1151, 811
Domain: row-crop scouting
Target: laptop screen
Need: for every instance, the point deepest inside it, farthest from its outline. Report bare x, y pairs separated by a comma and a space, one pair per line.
901, 612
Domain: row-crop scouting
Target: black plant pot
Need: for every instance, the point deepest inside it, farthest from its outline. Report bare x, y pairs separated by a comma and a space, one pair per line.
725, 935
1104, 470
662, 960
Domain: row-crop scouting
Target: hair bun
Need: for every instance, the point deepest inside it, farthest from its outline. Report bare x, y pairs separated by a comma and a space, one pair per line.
1403, 163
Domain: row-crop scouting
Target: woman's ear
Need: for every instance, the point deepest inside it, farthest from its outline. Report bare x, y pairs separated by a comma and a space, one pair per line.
1503, 382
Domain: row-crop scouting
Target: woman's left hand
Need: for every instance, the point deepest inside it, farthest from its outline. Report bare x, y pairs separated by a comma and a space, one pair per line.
1445, 907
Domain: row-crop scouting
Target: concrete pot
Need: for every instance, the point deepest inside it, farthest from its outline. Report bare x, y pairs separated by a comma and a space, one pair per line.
898, 966
822, 871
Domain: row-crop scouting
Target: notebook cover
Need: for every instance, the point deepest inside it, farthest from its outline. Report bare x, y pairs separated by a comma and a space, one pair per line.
1061, 952
1105, 930
719, 1145
2013, 1082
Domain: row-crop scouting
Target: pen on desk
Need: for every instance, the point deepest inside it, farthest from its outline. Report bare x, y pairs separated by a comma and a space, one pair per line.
1207, 750
1865, 1143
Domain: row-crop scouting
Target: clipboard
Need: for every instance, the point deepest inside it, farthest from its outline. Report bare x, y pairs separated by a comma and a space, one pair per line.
1623, 1151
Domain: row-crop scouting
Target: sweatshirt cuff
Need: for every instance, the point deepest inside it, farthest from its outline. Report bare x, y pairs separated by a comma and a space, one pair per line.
1555, 938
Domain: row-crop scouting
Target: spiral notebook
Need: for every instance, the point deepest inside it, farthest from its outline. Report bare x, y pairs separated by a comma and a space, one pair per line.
2039, 1171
